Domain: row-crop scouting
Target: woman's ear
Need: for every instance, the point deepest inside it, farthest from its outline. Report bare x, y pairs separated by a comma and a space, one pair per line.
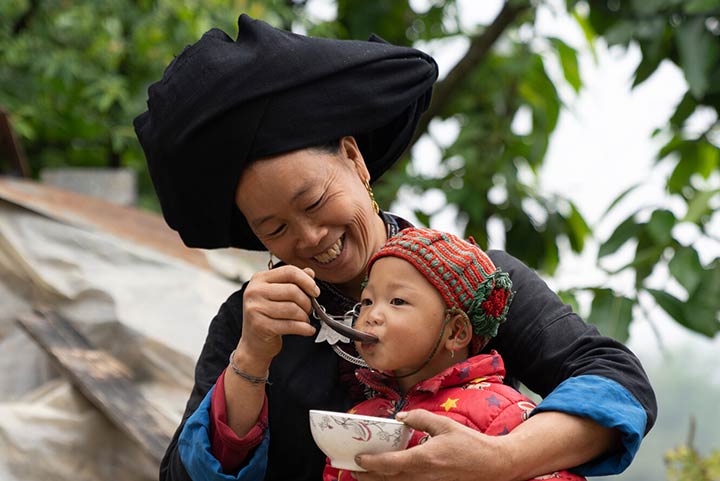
460, 333
349, 149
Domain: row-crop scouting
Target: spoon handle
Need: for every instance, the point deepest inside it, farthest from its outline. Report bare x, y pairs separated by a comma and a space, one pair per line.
335, 325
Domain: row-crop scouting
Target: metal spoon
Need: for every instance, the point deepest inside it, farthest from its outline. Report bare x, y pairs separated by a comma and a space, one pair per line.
338, 326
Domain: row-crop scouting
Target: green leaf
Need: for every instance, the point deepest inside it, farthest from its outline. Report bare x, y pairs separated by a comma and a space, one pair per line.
685, 266
683, 110
684, 169
422, 217
649, 62
569, 297
619, 199
708, 158
701, 6
627, 230
620, 33
700, 205
588, 32
611, 314
673, 145
523, 240
551, 257
579, 229
647, 255
702, 310
569, 63
670, 304
699, 51
660, 226
650, 7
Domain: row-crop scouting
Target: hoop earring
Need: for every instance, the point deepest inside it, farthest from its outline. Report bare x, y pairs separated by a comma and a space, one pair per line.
270, 261
375, 205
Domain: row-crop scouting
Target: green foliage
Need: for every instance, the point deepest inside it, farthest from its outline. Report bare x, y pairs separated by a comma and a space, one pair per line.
686, 464
687, 34
611, 313
75, 74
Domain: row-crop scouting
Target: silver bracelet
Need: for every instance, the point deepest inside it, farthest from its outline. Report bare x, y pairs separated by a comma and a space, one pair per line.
248, 377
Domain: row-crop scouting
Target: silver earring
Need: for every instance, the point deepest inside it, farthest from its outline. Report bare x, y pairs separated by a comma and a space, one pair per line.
270, 261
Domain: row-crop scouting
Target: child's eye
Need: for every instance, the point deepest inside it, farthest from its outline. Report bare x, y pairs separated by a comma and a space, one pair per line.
364, 302
396, 301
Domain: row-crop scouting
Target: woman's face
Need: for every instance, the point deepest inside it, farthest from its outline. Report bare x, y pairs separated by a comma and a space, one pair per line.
406, 313
311, 209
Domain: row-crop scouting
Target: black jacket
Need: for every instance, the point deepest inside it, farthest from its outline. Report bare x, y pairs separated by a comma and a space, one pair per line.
543, 343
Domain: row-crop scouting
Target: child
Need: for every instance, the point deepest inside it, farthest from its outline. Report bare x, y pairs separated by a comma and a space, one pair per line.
434, 300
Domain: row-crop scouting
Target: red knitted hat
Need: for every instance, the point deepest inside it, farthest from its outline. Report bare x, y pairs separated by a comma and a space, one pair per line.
462, 273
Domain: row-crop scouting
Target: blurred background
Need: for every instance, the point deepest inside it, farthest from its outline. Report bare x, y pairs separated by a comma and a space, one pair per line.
581, 136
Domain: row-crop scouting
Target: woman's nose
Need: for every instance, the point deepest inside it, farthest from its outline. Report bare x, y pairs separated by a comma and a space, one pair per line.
309, 234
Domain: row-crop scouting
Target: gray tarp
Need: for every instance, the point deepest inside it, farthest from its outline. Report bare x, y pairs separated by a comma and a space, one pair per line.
147, 308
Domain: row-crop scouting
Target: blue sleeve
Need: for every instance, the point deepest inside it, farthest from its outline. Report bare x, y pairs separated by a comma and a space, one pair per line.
196, 455
607, 403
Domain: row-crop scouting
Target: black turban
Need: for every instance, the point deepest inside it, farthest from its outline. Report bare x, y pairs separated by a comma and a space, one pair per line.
222, 103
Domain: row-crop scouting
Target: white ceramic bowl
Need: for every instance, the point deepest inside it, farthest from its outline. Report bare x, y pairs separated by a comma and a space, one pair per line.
342, 436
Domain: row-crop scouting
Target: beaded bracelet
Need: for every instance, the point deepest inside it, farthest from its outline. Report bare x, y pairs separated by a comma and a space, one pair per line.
248, 377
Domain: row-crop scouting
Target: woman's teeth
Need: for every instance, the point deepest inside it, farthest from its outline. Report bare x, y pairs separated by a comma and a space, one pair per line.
331, 254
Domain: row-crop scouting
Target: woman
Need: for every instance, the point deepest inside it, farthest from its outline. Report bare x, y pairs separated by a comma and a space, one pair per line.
271, 142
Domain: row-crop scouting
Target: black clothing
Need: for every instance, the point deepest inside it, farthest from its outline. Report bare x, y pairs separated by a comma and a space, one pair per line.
543, 343
223, 103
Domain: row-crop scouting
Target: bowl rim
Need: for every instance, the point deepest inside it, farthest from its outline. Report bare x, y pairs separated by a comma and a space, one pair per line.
357, 417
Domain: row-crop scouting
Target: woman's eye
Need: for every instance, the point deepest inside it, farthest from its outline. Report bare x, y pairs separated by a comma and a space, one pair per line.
277, 231
396, 301
315, 204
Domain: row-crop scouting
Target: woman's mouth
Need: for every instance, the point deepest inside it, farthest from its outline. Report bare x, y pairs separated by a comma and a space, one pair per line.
332, 253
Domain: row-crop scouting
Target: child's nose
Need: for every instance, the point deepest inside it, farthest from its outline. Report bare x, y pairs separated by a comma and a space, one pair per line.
372, 316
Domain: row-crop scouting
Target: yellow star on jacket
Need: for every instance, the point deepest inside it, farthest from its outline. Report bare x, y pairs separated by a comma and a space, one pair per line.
449, 404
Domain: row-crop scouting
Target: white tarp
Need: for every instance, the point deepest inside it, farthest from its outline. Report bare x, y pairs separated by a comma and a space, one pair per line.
148, 309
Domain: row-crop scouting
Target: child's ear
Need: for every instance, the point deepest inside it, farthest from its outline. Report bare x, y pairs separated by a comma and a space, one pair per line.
460, 332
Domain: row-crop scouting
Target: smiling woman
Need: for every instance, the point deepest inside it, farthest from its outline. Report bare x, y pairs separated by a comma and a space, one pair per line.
320, 216
240, 142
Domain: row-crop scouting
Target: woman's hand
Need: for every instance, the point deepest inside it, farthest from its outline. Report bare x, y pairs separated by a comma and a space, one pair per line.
453, 452
547, 442
276, 303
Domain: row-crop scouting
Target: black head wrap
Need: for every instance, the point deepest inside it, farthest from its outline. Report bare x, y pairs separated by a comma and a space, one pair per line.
222, 103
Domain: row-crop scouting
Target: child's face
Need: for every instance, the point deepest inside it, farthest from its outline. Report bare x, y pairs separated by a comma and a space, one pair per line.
405, 312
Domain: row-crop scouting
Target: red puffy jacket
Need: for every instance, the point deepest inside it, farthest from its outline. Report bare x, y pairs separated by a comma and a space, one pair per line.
470, 392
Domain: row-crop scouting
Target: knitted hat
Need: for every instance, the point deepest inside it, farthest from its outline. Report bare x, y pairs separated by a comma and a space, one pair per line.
223, 103
462, 273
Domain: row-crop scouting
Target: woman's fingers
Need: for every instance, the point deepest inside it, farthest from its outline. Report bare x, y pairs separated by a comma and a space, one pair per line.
422, 420
452, 451
276, 303
302, 278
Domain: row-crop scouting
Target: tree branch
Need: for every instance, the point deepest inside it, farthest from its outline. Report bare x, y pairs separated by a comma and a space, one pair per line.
24, 20
479, 48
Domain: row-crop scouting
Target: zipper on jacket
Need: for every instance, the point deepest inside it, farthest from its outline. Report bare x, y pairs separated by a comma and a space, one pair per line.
390, 393
398, 406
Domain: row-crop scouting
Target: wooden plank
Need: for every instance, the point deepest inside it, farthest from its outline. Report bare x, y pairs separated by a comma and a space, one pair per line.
103, 379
